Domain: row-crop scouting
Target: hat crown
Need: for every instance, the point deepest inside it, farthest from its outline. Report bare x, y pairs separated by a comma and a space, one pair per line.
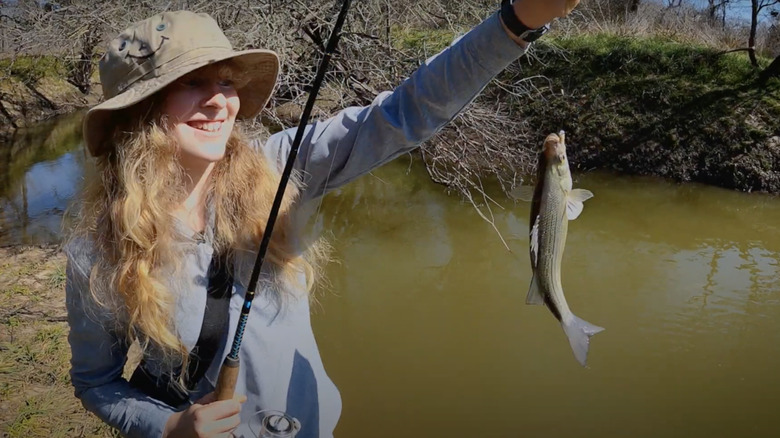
157, 46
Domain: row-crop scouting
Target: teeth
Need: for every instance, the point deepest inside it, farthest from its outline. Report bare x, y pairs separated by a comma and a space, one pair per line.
206, 126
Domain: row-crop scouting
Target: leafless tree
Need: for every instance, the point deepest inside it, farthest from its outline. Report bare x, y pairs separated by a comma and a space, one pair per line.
716, 11
773, 69
756, 7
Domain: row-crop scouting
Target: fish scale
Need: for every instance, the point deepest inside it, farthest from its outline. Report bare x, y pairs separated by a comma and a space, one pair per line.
553, 228
554, 203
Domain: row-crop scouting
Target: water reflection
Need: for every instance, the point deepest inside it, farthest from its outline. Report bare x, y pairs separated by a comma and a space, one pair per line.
40, 170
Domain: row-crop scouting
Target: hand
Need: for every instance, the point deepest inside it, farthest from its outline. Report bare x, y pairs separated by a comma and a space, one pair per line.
537, 13
207, 418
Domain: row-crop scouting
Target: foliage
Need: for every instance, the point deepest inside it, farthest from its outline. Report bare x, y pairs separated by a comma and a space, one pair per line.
30, 69
661, 107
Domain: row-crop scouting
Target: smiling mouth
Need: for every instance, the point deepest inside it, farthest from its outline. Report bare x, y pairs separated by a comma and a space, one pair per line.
207, 126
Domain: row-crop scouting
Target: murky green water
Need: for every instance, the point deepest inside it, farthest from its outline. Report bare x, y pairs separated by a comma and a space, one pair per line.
426, 333
40, 171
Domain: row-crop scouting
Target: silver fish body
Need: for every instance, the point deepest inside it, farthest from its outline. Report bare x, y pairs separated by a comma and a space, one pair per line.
554, 203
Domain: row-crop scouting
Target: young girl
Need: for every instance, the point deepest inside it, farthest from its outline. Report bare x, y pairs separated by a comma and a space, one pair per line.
171, 220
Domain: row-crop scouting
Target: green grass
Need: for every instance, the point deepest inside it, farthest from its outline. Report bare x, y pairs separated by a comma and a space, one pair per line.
419, 41
613, 55
30, 69
35, 390
35, 384
17, 289
57, 278
658, 106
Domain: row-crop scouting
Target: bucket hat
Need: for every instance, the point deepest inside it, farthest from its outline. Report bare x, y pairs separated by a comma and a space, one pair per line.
153, 53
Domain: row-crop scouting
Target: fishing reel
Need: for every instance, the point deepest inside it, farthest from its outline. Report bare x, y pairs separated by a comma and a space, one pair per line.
274, 424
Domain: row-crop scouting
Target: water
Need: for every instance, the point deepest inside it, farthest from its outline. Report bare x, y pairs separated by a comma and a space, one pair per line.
426, 333
40, 171
427, 329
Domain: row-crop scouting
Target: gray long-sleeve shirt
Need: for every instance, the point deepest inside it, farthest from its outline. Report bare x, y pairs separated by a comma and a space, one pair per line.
281, 368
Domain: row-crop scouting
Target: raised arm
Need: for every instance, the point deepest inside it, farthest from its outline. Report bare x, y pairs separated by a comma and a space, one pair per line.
358, 139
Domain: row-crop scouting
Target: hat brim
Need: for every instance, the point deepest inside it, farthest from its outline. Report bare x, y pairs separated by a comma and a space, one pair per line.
261, 66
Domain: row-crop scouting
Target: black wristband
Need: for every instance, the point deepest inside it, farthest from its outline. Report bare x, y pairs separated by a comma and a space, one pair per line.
517, 27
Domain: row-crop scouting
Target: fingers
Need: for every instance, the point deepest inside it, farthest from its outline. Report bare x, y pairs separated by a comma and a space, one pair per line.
217, 418
219, 427
218, 410
212, 397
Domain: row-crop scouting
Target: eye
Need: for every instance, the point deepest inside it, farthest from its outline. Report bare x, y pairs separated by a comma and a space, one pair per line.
226, 83
192, 82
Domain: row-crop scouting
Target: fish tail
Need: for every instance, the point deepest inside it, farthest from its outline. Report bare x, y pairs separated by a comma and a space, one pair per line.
579, 332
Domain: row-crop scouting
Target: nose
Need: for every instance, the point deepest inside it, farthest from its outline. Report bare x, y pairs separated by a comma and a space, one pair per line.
214, 96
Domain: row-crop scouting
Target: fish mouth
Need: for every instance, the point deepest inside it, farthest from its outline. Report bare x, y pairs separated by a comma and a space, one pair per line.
551, 146
555, 147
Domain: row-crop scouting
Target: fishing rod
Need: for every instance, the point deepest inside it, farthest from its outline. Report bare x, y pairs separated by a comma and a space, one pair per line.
228, 374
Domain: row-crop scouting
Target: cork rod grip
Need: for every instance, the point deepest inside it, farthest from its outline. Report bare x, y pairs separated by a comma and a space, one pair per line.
226, 382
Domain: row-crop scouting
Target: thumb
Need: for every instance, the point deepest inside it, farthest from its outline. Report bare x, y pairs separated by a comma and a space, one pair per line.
240, 398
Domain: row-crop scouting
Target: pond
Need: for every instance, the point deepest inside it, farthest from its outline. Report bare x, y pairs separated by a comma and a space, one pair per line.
425, 329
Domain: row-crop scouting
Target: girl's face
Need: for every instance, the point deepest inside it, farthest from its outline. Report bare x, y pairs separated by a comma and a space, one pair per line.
201, 109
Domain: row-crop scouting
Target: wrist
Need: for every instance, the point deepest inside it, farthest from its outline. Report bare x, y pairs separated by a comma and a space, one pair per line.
171, 425
517, 27
531, 16
520, 42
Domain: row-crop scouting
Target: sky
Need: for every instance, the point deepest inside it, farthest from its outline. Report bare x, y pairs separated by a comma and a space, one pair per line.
739, 9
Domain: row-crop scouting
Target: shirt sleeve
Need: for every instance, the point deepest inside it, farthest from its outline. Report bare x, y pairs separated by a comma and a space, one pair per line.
358, 139
98, 356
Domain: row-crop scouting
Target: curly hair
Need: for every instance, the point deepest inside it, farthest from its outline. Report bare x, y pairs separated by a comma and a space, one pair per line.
125, 211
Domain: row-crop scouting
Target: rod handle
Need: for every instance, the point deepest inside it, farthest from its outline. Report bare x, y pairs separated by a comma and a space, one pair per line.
226, 382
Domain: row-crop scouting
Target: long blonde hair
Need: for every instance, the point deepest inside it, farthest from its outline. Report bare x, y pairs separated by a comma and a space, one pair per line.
125, 212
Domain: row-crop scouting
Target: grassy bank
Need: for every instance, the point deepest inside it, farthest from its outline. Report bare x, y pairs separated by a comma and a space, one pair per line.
36, 398
35, 88
656, 106
633, 104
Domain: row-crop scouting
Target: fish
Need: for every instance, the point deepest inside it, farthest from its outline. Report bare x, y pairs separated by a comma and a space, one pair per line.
553, 204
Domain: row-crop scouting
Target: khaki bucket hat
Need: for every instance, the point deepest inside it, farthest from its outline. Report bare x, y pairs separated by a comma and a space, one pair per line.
155, 52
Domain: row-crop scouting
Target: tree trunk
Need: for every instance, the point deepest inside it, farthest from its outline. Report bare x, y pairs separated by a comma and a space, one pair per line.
752, 38
80, 69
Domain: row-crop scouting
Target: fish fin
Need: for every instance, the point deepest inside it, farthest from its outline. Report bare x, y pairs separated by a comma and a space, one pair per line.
534, 294
574, 202
535, 242
523, 193
579, 332
581, 195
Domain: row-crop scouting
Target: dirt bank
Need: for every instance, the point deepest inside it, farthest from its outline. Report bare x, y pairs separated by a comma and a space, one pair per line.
27, 100
660, 107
